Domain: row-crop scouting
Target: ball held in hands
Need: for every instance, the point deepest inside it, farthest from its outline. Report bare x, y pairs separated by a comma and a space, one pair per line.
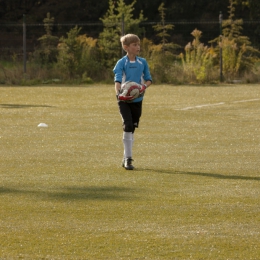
131, 90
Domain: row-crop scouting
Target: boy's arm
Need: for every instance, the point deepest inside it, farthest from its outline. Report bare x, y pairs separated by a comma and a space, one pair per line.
145, 86
117, 87
148, 83
147, 75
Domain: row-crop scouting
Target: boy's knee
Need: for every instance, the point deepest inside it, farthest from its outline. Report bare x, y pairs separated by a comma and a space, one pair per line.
128, 127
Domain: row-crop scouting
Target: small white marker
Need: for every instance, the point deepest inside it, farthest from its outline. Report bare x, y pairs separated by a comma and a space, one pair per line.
42, 125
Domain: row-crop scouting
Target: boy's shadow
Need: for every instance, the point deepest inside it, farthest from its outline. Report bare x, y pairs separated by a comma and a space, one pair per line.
21, 106
203, 174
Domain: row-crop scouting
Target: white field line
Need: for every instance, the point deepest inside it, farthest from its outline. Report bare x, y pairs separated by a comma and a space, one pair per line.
249, 100
200, 106
218, 104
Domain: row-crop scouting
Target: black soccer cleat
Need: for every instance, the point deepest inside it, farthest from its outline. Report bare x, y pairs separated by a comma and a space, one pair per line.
127, 163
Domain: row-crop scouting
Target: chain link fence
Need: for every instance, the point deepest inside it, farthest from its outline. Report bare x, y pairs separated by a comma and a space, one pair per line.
12, 34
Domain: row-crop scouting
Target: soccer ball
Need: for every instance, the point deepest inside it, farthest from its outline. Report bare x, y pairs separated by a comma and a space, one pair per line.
130, 88
134, 92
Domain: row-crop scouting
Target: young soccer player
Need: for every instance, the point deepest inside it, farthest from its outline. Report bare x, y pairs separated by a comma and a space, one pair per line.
130, 68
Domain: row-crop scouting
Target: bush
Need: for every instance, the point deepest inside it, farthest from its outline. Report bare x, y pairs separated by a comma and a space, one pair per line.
78, 56
198, 60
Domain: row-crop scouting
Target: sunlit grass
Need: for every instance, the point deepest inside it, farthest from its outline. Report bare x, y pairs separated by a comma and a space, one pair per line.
195, 193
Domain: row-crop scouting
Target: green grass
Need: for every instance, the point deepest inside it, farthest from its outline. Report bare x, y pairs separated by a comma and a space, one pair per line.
195, 193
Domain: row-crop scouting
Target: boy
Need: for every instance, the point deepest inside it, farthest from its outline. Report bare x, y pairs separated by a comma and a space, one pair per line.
130, 68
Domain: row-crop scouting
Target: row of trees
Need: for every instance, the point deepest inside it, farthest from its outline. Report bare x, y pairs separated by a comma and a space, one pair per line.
91, 10
81, 57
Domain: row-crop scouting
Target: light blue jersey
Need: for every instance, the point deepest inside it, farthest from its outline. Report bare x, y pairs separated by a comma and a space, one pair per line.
137, 71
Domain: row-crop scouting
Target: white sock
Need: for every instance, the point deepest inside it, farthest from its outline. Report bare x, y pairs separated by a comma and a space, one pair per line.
128, 144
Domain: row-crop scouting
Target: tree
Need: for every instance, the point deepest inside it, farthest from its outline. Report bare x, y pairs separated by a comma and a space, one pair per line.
238, 54
117, 21
78, 57
254, 15
162, 55
47, 52
162, 28
232, 27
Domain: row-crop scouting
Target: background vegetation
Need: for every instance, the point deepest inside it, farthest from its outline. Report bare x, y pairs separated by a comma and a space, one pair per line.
81, 57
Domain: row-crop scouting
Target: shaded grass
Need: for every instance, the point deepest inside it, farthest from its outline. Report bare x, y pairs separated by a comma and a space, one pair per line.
194, 193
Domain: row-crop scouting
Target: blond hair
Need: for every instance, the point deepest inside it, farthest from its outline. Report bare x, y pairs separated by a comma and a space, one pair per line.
128, 39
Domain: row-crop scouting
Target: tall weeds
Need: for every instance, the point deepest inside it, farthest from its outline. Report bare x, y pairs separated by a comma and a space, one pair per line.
198, 60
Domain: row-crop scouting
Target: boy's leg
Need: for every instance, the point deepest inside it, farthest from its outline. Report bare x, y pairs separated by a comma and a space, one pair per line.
128, 129
131, 113
128, 144
126, 114
136, 112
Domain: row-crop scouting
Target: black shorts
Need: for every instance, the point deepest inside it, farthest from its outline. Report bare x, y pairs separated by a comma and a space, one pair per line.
131, 113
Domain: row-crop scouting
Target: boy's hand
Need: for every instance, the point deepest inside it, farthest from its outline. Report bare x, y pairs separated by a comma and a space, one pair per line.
142, 89
124, 98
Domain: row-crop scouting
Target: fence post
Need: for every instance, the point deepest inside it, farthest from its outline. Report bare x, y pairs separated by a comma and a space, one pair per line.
24, 44
220, 47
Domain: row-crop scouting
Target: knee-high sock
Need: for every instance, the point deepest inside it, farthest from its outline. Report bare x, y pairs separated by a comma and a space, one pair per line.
128, 144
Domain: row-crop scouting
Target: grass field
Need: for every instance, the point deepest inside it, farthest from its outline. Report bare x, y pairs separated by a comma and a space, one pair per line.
195, 193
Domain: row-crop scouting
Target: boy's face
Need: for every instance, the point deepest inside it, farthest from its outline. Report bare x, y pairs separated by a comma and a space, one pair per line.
133, 48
